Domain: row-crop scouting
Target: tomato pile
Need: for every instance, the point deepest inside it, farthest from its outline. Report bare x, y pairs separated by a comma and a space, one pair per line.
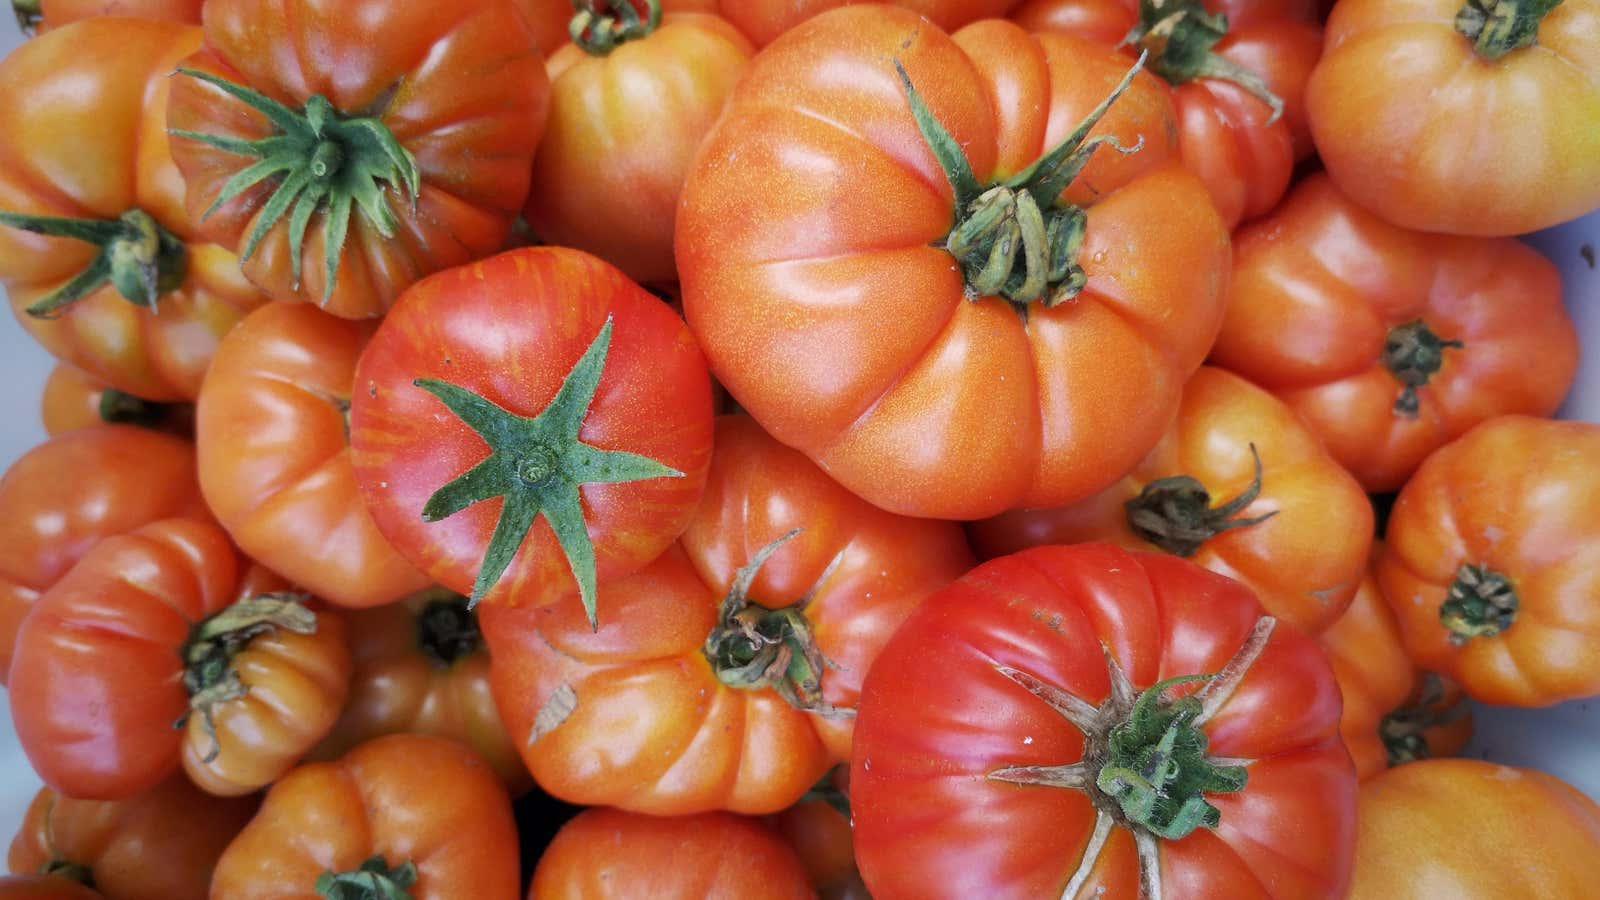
789, 448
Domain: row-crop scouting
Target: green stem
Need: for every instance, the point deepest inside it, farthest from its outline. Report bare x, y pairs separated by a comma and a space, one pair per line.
1481, 603
600, 26
119, 408
61, 868
1413, 354
447, 629
28, 15
1497, 27
1404, 731
1180, 36
136, 255
826, 790
374, 880
1175, 513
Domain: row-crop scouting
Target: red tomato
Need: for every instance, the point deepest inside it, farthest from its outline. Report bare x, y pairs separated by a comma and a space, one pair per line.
419, 814
1034, 371
1389, 343
723, 674
164, 645
547, 22
1036, 730
545, 377
43, 887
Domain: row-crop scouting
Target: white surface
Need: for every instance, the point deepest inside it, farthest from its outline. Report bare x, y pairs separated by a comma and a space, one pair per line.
1564, 740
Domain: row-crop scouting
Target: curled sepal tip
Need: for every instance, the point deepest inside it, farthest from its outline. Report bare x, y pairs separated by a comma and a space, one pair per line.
138, 257
1175, 513
1180, 36
373, 880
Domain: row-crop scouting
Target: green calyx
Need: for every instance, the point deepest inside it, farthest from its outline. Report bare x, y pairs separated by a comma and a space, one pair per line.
374, 880
28, 15
61, 868
447, 629
140, 258
754, 647
1012, 238
1413, 354
600, 26
119, 408
1180, 36
1497, 27
1175, 513
209, 676
324, 162
537, 466
826, 790
1481, 603
1404, 731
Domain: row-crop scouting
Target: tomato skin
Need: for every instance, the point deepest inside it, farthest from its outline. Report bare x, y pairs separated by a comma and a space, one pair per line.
834, 323
274, 456
937, 716
763, 21
56, 13
1515, 496
63, 497
408, 797
43, 887
1320, 284
1304, 563
95, 709
1395, 85
83, 115
821, 837
1468, 828
608, 853
691, 743
159, 845
623, 129
470, 107
654, 399
547, 22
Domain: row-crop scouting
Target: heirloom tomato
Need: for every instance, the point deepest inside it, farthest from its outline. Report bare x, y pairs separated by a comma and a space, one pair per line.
44, 15
44, 887
724, 674
1492, 560
1084, 721
420, 667
1238, 71
158, 845
347, 149
1470, 829
905, 258
1238, 485
405, 815
164, 645
66, 495
272, 431
74, 399
608, 854
531, 424
1389, 342
631, 101
102, 264
1473, 117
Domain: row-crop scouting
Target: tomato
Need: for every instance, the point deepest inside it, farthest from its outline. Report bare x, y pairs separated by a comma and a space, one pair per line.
818, 828
73, 399
1036, 730
158, 845
1238, 485
43, 887
66, 495
545, 377
101, 262
833, 311
163, 644
1393, 713
764, 20
272, 432
628, 109
420, 667
1390, 343
723, 674
1238, 70
1462, 116
1465, 828
607, 853
1489, 547
421, 814
347, 150
45, 15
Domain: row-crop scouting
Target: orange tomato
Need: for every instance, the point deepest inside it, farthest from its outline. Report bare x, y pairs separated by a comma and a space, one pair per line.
56, 13
73, 399
763, 21
44, 887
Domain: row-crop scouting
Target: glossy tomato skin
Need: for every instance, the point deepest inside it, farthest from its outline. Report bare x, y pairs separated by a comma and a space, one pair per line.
406, 797
56, 13
274, 455
159, 845
653, 399
938, 716
1319, 286
83, 120
607, 854
1468, 828
1396, 85
460, 86
63, 497
43, 887
623, 129
763, 21
692, 743
1515, 496
95, 709
830, 312
1304, 563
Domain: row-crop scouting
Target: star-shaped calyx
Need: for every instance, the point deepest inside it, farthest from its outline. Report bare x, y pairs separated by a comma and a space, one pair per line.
537, 466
